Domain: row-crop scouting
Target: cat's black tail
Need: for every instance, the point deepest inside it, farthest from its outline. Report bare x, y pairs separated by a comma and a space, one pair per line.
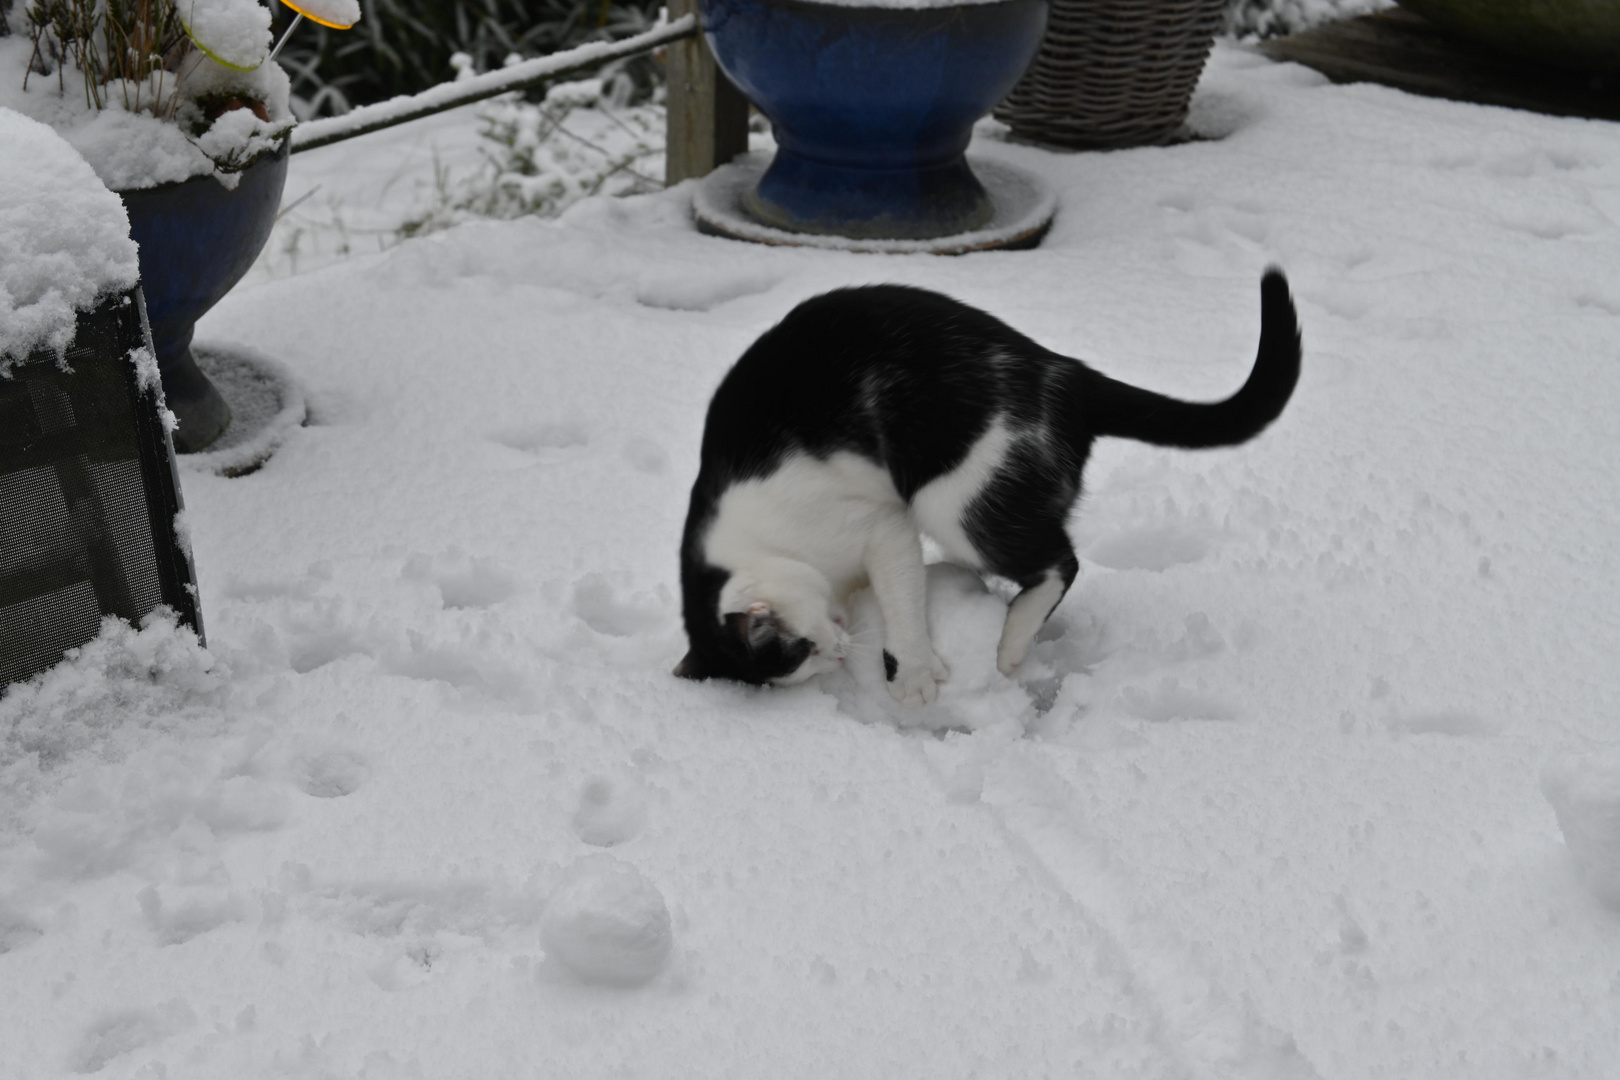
1115, 408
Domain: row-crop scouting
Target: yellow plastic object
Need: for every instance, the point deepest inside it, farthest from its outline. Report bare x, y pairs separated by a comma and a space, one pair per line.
325, 19
216, 58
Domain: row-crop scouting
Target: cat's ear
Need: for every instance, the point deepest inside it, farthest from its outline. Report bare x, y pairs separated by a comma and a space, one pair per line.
689, 667
740, 623
755, 626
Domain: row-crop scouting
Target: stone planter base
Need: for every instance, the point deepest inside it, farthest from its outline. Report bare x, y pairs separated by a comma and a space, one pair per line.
1022, 207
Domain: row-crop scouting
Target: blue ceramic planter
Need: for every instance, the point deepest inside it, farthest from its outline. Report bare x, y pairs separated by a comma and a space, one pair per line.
873, 107
197, 239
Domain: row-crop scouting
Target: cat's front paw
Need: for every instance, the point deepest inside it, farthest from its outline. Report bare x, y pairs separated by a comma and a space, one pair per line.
915, 682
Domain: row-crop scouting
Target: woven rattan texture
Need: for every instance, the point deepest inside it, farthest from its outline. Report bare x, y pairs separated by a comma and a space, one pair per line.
1113, 73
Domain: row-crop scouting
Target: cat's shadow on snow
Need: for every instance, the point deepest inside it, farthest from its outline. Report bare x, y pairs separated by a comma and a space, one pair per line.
965, 616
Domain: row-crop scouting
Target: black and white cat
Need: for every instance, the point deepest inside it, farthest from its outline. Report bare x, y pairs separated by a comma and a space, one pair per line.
872, 415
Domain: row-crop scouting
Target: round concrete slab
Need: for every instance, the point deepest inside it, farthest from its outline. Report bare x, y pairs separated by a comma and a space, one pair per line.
1024, 207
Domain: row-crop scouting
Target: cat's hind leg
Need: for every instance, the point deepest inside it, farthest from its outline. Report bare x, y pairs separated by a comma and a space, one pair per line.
1029, 610
1018, 528
1039, 557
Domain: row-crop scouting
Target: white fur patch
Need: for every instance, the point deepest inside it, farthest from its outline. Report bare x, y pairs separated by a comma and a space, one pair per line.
800, 540
1024, 618
816, 512
941, 503
796, 541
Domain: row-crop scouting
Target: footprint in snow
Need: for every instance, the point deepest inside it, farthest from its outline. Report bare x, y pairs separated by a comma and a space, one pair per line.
403, 970
1156, 548
599, 606
1451, 722
464, 581
1517, 165
331, 774
545, 441
310, 647
1066, 645
16, 930
611, 811
646, 456
689, 292
1607, 304
187, 911
1584, 791
460, 663
1169, 700
120, 1033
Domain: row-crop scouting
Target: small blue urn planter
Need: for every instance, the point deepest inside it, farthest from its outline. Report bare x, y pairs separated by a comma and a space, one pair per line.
197, 239
873, 107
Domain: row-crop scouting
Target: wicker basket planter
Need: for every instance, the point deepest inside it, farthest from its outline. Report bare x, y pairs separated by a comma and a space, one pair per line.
1113, 73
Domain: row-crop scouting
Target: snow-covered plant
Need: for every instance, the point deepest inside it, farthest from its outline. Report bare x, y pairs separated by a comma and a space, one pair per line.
583, 139
1274, 18
142, 50
107, 43
150, 91
405, 46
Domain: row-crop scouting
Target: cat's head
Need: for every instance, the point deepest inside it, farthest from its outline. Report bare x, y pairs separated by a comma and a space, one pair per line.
774, 625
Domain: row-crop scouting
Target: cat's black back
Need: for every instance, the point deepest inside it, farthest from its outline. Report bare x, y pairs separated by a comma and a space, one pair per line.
903, 376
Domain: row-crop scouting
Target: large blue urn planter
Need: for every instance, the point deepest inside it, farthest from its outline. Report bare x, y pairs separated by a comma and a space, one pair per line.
872, 107
197, 239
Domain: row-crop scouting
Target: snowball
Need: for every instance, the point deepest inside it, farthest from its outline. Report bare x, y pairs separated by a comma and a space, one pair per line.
64, 236
607, 923
1585, 794
331, 774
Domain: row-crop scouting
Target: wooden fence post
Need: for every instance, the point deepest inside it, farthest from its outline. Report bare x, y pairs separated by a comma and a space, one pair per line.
708, 117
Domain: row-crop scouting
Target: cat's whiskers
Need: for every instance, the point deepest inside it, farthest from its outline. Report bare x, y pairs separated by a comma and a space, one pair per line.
869, 635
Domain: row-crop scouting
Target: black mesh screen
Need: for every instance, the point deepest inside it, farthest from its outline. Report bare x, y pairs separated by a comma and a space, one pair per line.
88, 495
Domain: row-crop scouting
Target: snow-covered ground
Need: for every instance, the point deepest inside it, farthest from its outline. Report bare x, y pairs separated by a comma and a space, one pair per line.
1268, 800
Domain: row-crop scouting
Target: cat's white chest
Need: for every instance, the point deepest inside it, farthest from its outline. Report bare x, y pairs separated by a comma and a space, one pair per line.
825, 512
818, 512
